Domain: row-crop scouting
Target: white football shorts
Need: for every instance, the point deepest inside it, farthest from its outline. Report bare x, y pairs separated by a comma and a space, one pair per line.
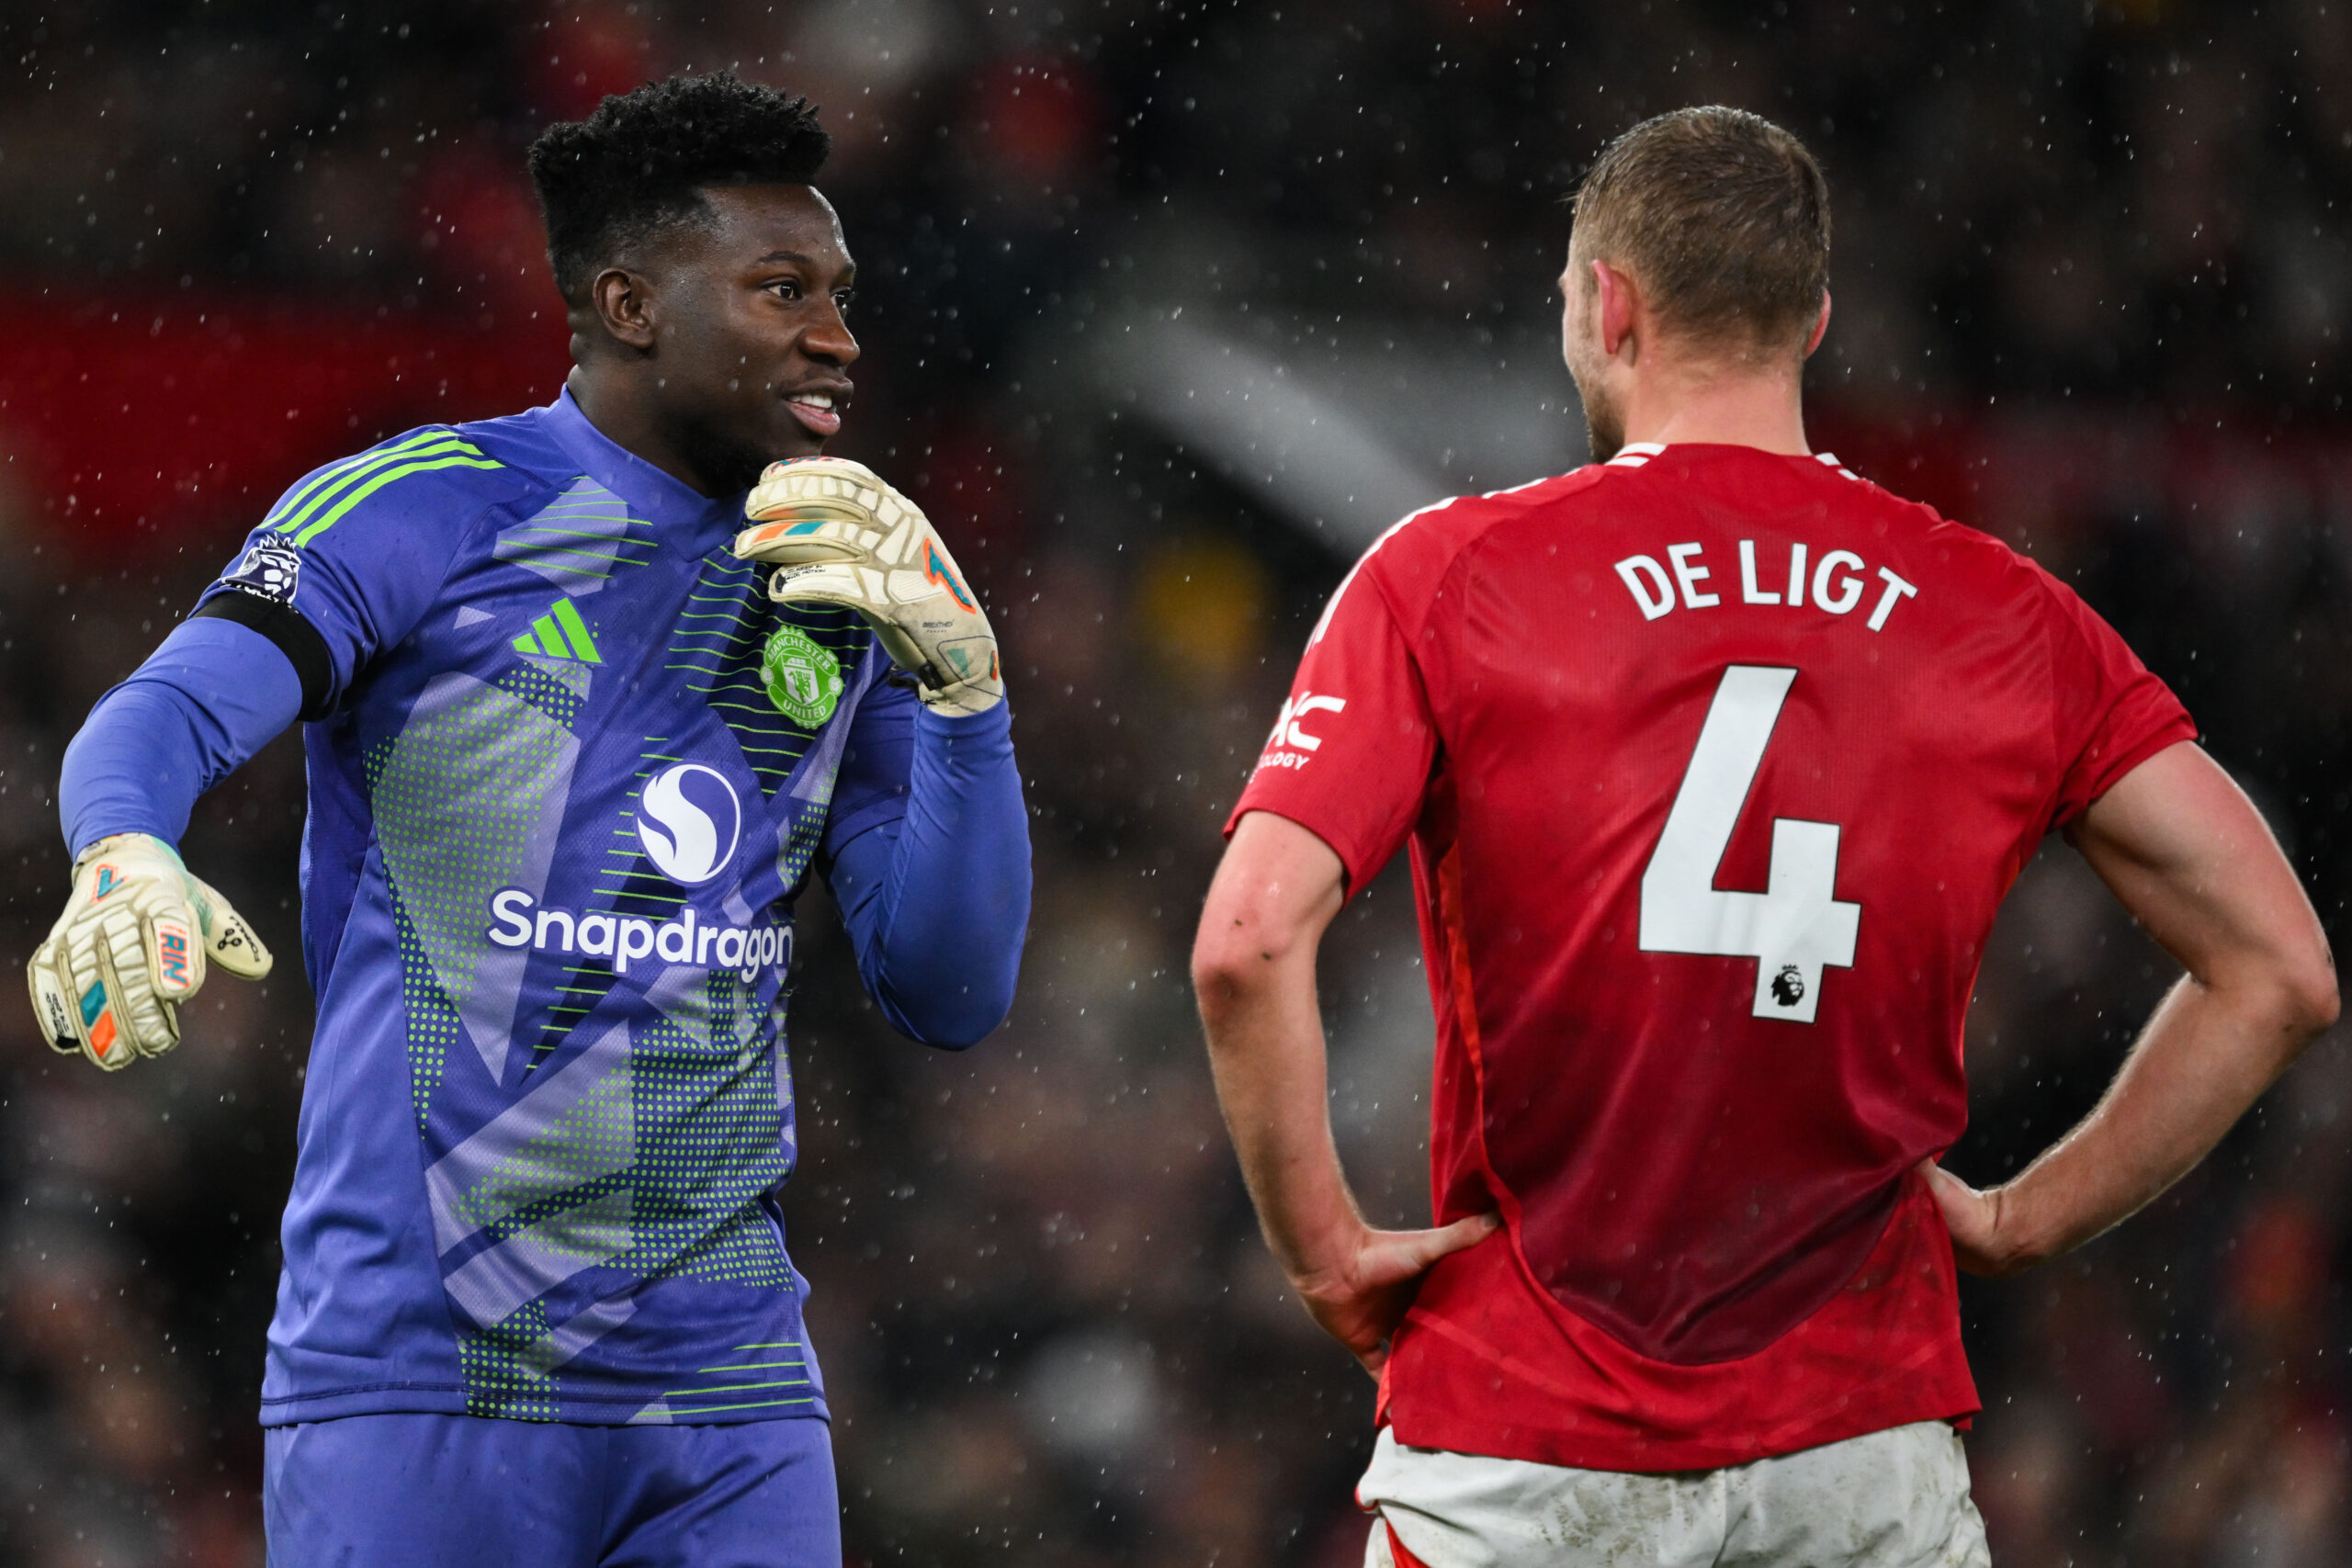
1892, 1499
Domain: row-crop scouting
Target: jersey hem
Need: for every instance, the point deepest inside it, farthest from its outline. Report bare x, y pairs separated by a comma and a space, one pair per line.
448, 1399
1357, 866
2175, 730
1545, 1446
1480, 1366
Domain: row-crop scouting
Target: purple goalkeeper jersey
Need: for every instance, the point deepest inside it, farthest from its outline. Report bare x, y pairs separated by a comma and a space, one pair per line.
568, 770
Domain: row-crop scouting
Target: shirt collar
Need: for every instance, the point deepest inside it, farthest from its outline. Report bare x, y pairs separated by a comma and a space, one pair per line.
1634, 453
658, 497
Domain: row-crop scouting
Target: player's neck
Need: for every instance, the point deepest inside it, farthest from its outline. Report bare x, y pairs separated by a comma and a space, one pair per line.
631, 423
1676, 402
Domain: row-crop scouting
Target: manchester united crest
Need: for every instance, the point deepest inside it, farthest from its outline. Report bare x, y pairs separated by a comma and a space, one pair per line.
803, 680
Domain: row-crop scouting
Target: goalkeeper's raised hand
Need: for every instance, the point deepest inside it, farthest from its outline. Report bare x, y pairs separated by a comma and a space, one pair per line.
839, 535
130, 947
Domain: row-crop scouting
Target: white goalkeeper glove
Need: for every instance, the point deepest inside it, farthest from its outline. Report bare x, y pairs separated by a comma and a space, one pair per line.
840, 535
130, 947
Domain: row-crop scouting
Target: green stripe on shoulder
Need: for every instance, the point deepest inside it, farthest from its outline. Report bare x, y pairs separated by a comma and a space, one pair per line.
327, 477
326, 495
424, 464
340, 487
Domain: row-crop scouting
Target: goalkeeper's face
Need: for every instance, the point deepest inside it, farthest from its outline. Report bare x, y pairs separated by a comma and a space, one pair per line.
751, 349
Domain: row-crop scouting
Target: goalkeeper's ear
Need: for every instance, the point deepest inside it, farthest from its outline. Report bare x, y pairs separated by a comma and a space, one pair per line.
625, 305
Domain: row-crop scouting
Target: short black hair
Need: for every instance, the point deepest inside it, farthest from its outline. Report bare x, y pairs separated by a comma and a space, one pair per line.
643, 159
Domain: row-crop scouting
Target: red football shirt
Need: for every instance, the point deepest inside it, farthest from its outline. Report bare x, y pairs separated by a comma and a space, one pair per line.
1715, 766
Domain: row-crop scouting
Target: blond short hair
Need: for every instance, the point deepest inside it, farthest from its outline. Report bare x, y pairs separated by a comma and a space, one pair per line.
1721, 217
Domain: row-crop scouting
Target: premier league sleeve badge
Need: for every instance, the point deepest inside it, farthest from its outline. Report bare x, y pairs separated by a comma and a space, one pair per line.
268, 571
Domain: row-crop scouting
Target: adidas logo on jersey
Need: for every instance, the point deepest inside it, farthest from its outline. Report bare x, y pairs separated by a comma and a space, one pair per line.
559, 633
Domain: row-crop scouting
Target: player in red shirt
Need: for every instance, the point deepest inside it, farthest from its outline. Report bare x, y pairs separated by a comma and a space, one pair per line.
1715, 762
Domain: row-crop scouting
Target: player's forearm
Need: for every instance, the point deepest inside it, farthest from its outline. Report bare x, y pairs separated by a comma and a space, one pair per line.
1266, 1055
1254, 971
213, 695
937, 902
2186, 852
2206, 1055
1266, 1052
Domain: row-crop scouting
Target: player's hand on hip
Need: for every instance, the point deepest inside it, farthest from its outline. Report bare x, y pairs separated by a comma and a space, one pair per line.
840, 535
1360, 1297
132, 945
1984, 1224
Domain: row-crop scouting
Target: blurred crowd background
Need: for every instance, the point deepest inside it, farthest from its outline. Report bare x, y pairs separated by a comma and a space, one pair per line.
1166, 307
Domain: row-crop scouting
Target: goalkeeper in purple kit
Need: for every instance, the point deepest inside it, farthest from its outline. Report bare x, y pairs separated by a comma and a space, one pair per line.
589, 693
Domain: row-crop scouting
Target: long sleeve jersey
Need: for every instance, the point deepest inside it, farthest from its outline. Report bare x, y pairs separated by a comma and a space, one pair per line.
568, 768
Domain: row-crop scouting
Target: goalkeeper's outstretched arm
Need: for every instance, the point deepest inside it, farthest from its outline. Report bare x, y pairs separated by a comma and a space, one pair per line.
140, 930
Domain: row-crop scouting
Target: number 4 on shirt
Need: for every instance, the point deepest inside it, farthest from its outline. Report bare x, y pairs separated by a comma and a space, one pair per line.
1797, 924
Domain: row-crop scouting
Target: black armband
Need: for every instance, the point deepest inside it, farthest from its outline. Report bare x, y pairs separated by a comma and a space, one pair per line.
294, 637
